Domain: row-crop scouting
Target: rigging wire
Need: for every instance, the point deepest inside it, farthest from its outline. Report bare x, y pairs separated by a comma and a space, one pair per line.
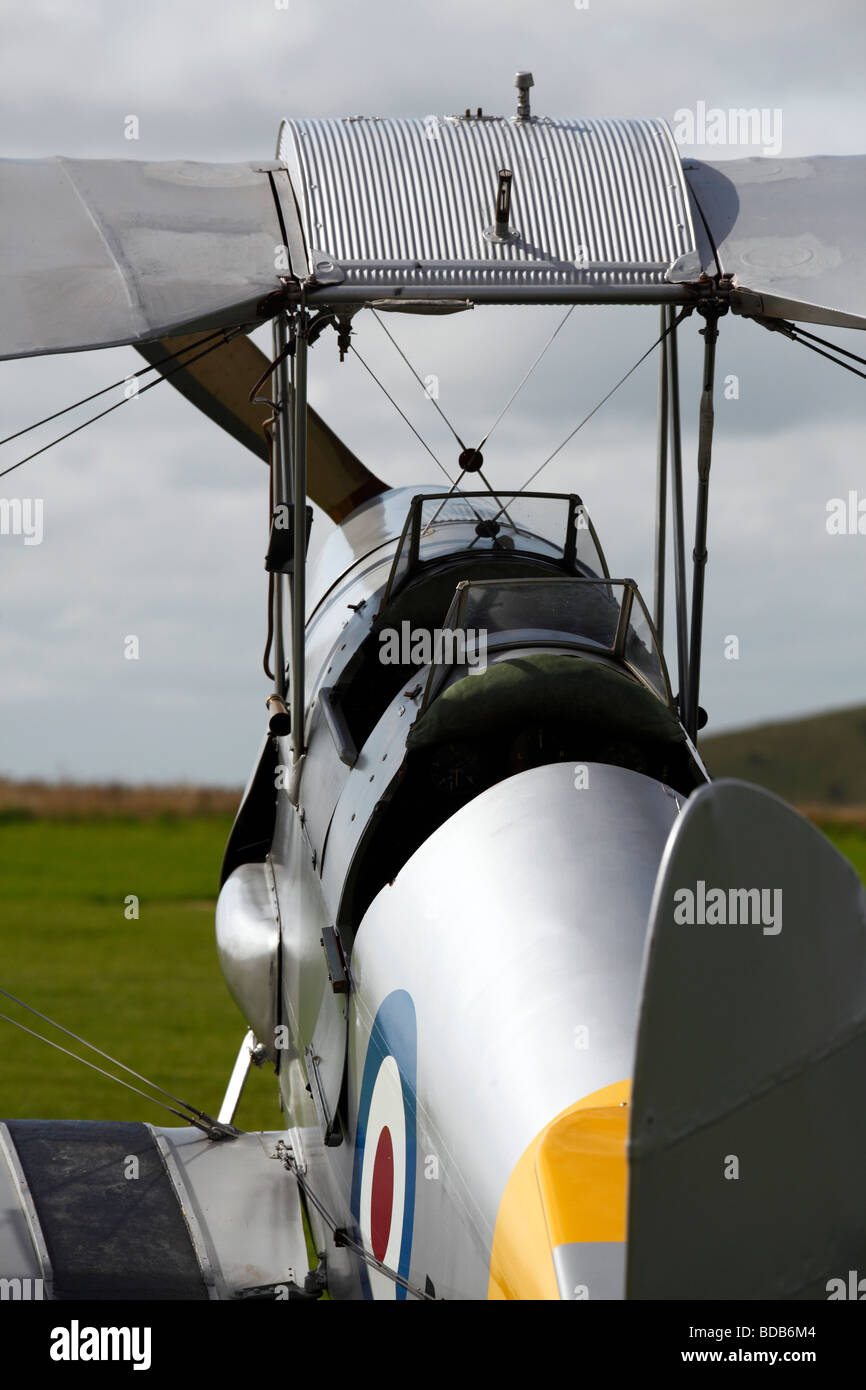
420, 439
85, 400
341, 1235
478, 517
496, 498
449, 494
713, 247
515, 393
456, 482
268, 428
202, 1120
563, 321
508, 403
180, 366
390, 335
660, 339
835, 346
181, 1115
799, 335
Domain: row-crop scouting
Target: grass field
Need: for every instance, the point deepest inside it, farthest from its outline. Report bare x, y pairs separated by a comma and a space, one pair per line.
850, 840
148, 991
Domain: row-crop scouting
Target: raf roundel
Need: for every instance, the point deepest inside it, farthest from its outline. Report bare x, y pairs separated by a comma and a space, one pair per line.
383, 1184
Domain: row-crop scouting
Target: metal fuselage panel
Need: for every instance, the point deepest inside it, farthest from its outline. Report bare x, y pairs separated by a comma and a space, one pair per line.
352, 568
516, 927
517, 931
361, 536
345, 589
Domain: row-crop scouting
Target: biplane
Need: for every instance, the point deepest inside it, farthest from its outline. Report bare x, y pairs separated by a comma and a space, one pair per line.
552, 1014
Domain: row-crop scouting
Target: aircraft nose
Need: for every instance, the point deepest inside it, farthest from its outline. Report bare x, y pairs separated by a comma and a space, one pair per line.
518, 929
560, 1230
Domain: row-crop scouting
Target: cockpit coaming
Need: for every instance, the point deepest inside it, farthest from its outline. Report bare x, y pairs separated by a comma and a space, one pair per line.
500, 633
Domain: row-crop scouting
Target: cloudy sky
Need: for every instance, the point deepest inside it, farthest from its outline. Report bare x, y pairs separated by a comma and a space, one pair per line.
155, 524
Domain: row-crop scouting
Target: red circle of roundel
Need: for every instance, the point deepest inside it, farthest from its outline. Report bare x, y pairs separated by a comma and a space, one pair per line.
382, 1196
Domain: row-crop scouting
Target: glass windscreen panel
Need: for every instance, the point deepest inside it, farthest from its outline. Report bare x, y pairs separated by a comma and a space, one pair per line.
642, 650
554, 608
548, 526
600, 615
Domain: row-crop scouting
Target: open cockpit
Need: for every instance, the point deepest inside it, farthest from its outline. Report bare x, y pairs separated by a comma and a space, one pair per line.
516, 649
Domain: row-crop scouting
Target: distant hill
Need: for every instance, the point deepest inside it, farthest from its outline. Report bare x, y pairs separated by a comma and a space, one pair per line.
819, 761
817, 764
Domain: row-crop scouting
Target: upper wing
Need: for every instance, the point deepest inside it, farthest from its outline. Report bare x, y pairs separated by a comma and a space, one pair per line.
99, 252
791, 233
95, 253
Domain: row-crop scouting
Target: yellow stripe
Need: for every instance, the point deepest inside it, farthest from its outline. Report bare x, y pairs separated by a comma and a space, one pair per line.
568, 1186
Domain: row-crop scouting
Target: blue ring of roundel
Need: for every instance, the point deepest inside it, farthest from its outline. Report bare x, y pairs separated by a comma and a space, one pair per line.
394, 1034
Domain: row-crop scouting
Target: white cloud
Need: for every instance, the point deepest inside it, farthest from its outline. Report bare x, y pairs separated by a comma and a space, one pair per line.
155, 522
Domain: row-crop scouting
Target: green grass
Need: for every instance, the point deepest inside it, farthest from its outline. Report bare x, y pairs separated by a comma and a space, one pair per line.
851, 843
150, 992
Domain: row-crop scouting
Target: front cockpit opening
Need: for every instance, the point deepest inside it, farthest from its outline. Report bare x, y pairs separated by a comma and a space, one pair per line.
571, 671
471, 536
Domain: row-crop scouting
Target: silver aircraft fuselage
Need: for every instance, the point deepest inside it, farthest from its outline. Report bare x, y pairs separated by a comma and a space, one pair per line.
493, 951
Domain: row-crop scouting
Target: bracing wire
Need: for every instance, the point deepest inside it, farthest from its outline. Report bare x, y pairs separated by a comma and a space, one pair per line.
512, 398
342, 1236
438, 407
93, 1067
180, 366
606, 397
855, 357
799, 335
419, 437
202, 1120
85, 400
660, 339
516, 392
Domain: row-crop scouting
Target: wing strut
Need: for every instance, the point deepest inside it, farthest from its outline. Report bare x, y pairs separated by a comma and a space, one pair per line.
673, 375
299, 498
661, 487
712, 312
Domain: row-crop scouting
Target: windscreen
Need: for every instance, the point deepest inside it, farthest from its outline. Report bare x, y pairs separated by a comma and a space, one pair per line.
606, 616
546, 526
